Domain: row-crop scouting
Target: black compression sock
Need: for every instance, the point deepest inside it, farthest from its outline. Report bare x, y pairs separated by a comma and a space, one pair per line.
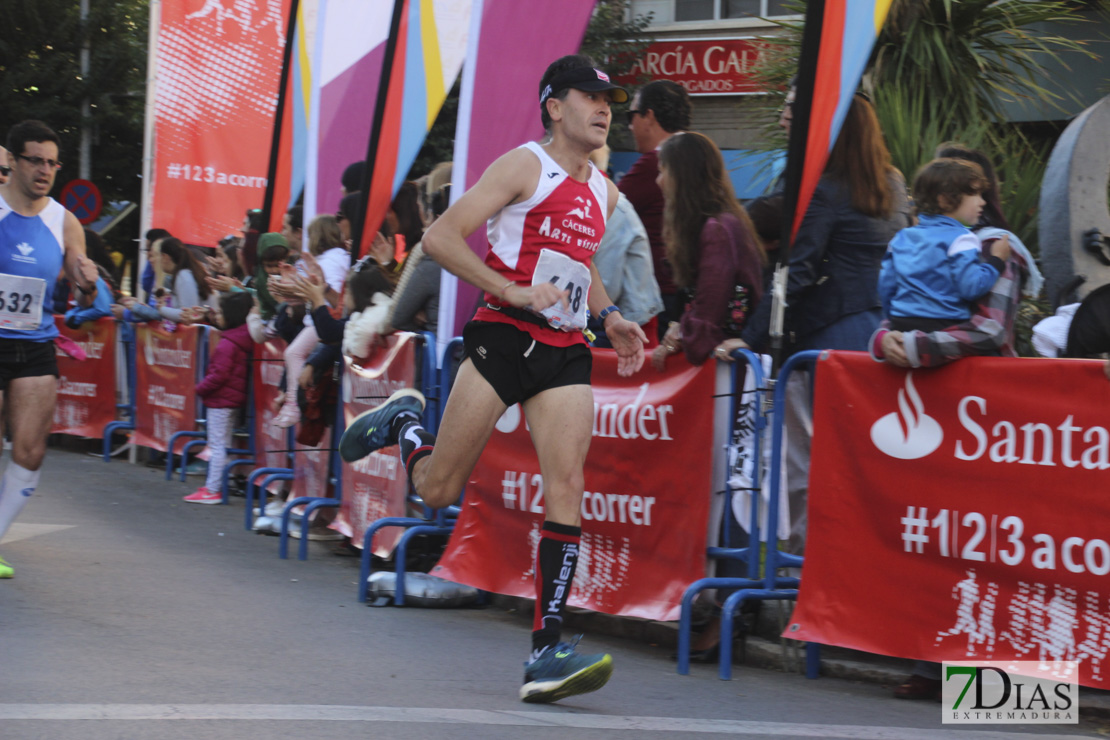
556, 558
416, 443
399, 421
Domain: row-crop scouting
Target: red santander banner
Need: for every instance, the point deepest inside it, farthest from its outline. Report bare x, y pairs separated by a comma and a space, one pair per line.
165, 383
960, 513
87, 388
375, 486
702, 66
218, 75
644, 511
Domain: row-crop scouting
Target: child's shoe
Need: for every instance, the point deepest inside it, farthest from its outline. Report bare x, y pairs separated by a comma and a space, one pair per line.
203, 496
289, 416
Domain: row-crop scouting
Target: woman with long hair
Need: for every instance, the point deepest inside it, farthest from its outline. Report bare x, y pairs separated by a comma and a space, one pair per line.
832, 291
859, 204
710, 245
188, 279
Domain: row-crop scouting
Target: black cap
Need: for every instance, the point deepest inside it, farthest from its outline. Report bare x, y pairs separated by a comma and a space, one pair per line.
587, 79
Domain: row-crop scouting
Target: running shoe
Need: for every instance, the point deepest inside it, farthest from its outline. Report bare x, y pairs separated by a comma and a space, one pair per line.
203, 496
372, 430
6, 570
562, 671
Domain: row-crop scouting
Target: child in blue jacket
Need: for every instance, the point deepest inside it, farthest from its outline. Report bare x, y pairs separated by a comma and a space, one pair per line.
932, 273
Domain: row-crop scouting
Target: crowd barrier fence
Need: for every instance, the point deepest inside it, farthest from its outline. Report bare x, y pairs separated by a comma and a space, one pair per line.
744, 361
773, 586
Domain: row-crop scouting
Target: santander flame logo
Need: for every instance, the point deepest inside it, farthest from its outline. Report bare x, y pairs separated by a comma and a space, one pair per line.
908, 434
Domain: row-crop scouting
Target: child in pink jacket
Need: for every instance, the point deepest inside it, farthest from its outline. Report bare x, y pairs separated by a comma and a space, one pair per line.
224, 389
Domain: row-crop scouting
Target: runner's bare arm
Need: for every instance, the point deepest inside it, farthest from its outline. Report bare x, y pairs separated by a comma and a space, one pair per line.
626, 336
510, 179
614, 194
80, 270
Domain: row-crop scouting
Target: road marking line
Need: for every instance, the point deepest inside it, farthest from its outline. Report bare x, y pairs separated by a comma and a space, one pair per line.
553, 718
19, 531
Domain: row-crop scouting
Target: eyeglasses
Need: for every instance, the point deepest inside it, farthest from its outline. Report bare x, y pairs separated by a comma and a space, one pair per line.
632, 114
37, 162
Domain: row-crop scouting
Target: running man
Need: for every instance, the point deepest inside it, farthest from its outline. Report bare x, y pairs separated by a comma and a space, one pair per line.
544, 208
38, 240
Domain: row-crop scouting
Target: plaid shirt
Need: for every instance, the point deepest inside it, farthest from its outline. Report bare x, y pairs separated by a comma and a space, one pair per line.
989, 331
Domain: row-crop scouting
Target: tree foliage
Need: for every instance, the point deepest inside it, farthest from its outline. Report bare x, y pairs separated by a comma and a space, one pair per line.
976, 53
40, 77
940, 71
614, 37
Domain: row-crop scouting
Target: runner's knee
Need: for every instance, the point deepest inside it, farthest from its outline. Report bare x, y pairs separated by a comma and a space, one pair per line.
29, 456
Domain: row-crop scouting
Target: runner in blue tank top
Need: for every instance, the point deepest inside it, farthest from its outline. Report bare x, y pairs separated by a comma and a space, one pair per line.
39, 240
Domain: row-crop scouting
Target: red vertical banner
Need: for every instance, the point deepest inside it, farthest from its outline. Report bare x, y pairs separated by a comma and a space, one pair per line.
165, 383
271, 443
217, 85
375, 486
959, 513
87, 388
645, 508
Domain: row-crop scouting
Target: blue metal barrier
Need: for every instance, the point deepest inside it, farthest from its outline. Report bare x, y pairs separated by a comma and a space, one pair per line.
275, 474
312, 503
437, 384
772, 587
744, 359
127, 339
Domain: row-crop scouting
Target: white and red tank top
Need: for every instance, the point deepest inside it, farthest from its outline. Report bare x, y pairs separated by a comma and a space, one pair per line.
551, 236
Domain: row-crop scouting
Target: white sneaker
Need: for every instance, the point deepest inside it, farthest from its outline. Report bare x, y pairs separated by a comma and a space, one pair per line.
275, 508
266, 525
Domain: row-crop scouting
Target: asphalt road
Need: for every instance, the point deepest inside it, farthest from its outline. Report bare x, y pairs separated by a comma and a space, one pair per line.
134, 615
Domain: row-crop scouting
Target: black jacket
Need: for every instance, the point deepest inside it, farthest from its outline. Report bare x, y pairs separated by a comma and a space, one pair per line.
834, 263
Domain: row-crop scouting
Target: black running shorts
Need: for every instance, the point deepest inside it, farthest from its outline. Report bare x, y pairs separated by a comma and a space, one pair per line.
20, 358
517, 366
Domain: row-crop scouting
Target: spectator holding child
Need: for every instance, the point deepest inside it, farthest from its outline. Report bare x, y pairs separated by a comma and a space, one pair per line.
990, 329
932, 273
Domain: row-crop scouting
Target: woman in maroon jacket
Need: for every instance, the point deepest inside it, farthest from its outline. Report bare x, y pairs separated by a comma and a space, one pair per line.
224, 389
711, 246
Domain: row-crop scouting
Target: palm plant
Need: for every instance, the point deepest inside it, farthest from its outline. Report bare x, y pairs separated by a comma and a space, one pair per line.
916, 122
976, 53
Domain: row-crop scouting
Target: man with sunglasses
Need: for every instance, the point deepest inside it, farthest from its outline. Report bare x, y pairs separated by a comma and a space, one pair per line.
543, 208
659, 110
39, 239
